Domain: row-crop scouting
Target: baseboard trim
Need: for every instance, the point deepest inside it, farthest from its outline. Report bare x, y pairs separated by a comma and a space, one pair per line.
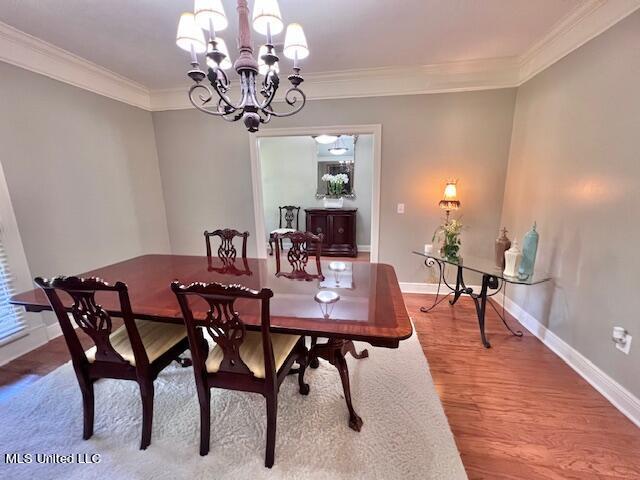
618, 396
53, 331
364, 248
428, 288
34, 338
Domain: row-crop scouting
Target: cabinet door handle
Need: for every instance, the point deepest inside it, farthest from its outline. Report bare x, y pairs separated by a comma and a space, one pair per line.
341, 230
318, 230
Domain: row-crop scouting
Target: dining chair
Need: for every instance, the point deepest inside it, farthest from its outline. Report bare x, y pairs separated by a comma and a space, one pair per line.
227, 252
298, 255
288, 213
139, 350
249, 361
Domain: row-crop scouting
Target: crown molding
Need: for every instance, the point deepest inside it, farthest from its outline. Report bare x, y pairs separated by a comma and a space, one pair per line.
587, 21
381, 82
31, 53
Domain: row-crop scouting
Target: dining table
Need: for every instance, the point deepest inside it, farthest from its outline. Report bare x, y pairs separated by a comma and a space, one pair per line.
364, 301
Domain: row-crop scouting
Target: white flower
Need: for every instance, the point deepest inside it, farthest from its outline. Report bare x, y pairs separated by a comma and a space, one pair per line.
327, 177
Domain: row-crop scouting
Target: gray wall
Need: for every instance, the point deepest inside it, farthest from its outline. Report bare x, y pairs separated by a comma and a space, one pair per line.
82, 172
575, 168
206, 171
290, 177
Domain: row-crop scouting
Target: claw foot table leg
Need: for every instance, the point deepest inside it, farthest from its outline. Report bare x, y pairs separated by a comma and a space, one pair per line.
334, 351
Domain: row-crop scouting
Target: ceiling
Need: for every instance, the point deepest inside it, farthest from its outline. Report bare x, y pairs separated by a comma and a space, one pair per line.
136, 38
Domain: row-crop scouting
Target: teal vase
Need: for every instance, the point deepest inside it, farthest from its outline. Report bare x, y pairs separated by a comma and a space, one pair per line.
529, 250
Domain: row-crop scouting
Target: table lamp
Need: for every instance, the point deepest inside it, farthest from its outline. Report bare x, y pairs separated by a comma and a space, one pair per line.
450, 200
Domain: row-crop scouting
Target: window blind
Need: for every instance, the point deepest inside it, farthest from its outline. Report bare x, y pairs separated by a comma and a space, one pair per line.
11, 318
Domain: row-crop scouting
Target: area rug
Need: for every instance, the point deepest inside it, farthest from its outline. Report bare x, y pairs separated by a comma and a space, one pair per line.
405, 433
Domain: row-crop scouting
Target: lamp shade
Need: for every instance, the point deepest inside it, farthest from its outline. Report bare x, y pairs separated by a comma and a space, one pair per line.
326, 139
208, 12
267, 12
226, 63
450, 200
295, 42
263, 68
190, 35
339, 148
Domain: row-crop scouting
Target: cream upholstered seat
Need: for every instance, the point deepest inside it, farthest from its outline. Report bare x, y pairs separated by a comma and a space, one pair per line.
281, 231
156, 337
252, 352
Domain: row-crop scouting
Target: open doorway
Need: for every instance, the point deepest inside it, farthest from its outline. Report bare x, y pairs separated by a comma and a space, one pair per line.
322, 180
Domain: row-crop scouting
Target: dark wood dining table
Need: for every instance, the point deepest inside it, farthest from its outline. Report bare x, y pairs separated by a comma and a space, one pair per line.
370, 306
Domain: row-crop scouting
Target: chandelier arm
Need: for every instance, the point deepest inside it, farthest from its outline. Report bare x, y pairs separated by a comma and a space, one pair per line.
224, 81
204, 100
291, 98
220, 90
266, 118
232, 116
270, 88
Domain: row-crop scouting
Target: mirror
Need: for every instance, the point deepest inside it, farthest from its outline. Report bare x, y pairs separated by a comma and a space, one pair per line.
336, 158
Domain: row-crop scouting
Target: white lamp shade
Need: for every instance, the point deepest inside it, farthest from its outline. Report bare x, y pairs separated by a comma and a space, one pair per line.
339, 148
295, 42
326, 139
450, 191
263, 68
267, 12
224, 64
190, 35
210, 10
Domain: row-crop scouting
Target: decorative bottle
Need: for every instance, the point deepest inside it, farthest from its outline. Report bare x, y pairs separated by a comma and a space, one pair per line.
502, 245
512, 258
529, 250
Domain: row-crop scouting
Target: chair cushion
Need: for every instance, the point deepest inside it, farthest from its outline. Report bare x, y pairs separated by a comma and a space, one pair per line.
252, 353
156, 337
282, 230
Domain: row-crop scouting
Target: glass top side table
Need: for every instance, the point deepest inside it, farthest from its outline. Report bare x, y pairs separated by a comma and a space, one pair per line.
492, 279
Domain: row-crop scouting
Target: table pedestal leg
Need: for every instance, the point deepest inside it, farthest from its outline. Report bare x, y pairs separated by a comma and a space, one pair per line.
480, 300
334, 351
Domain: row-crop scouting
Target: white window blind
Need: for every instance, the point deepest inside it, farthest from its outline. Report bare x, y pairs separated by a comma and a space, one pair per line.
11, 318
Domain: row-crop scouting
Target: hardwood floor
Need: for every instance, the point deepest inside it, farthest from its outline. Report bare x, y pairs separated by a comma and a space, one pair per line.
516, 410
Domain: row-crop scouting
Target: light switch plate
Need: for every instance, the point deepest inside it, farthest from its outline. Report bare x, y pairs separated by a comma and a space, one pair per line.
627, 345
401, 208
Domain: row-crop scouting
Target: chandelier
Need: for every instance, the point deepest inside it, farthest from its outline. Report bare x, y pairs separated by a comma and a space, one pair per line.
254, 106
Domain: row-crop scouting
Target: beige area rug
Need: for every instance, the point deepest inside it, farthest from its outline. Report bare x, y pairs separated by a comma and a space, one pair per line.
405, 433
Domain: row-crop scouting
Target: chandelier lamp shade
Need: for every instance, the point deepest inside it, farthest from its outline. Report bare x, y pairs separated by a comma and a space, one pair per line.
258, 78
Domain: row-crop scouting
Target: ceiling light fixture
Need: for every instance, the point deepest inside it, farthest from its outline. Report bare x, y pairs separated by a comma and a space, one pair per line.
267, 19
325, 139
339, 148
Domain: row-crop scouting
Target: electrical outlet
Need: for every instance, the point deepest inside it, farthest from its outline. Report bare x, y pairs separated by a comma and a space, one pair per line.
401, 208
626, 346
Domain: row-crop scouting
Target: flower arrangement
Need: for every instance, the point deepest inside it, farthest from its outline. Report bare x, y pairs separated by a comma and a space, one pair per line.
336, 183
451, 241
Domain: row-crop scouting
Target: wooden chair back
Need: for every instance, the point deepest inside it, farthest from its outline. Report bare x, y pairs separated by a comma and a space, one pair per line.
92, 319
224, 325
289, 213
298, 255
226, 251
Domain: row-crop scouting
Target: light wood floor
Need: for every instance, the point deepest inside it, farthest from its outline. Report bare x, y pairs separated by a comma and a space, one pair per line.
517, 411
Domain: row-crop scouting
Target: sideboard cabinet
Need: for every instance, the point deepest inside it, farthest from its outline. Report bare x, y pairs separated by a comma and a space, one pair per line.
338, 225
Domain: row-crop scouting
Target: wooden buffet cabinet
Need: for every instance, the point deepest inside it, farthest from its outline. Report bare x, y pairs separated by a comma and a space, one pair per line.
338, 225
